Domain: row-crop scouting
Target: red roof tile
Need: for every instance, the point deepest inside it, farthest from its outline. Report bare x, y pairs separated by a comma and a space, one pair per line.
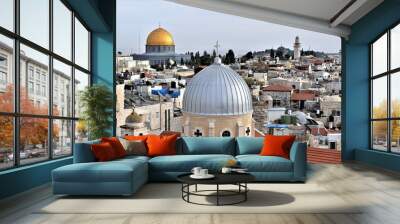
303, 95
319, 131
277, 88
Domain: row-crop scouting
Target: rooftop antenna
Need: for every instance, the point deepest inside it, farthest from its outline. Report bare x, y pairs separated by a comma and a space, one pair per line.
217, 45
159, 25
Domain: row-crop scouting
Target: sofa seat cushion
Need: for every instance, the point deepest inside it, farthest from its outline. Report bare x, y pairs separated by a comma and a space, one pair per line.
185, 163
133, 157
113, 171
257, 163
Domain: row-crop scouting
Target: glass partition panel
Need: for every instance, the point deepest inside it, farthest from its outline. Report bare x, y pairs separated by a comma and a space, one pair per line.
395, 47
6, 74
81, 45
34, 144
395, 136
81, 82
62, 138
7, 14
379, 98
81, 131
395, 94
6, 142
62, 89
62, 29
379, 56
34, 21
379, 135
34, 81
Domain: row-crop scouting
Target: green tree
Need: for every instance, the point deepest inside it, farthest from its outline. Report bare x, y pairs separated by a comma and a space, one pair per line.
197, 58
229, 57
247, 56
205, 59
279, 54
272, 53
97, 104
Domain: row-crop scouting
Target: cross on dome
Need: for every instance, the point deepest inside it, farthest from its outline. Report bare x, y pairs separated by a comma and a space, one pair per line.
217, 45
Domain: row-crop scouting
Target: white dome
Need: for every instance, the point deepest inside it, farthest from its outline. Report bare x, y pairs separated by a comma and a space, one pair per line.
217, 90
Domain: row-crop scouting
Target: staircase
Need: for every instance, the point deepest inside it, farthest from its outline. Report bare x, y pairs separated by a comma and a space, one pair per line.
327, 156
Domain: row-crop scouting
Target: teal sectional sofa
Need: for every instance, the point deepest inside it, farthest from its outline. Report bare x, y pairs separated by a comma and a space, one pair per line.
125, 176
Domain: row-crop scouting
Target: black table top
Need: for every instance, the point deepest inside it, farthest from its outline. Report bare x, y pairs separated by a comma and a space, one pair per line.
220, 178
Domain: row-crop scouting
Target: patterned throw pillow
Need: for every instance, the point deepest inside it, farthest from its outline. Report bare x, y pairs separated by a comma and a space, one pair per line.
134, 147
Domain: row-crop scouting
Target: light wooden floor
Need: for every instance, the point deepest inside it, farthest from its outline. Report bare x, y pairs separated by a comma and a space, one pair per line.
379, 189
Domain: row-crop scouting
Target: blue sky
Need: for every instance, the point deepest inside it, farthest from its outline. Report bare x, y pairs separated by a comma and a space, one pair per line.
196, 29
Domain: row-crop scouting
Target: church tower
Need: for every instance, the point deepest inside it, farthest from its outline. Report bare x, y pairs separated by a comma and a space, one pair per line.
296, 48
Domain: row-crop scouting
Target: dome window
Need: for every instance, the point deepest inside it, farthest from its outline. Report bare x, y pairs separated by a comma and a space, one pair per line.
226, 134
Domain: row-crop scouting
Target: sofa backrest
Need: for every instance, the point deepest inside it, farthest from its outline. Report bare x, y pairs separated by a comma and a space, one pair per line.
206, 145
83, 152
189, 146
249, 145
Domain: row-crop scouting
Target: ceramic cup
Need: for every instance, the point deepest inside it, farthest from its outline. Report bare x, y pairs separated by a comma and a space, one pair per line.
203, 172
196, 171
226, 170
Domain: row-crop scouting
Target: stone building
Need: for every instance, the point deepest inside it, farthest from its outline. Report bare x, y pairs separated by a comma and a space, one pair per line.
331, 105
157, 116
280, 94
217, 102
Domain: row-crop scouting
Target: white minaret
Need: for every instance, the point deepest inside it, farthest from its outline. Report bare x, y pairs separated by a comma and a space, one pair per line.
296, 48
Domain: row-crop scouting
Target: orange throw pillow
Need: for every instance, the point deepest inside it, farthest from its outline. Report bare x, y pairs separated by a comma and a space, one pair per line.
161, 145
277, 145
171, 133
103, 152
116, 145
136, 137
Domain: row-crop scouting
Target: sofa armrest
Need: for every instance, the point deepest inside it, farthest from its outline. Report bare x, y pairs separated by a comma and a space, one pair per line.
298, 155
83, 152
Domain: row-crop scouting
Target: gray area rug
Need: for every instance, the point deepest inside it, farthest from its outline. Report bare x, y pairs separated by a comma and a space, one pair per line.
166, 198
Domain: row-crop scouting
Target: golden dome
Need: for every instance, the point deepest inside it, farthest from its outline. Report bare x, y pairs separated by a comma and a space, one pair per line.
160, 37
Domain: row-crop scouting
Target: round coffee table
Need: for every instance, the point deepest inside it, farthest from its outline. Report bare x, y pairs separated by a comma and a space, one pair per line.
238, 179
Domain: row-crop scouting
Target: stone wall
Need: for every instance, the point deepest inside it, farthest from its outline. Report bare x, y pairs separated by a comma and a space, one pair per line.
216, 125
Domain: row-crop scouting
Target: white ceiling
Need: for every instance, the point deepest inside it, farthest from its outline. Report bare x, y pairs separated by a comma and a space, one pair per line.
320, 9
323, 16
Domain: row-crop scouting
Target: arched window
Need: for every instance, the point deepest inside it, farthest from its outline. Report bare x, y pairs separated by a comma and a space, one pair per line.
226, 134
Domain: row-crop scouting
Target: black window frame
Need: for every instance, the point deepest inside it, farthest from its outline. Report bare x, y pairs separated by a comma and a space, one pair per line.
388, 74
16, 114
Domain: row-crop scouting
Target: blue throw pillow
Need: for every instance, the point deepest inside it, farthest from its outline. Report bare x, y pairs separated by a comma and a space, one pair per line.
208, 145
249, 145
